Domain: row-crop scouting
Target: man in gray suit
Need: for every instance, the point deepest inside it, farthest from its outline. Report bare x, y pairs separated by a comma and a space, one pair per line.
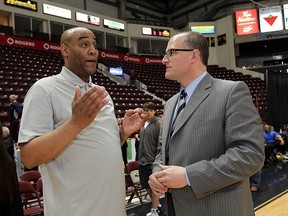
212, 147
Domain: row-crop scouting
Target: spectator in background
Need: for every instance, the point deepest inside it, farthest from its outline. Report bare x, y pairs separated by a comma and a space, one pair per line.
8, 143
133, 77
137, 143
255, 181
148, 149
284, 135
15, 116
282, 153
10, 199
212, 138
69, 128
272, 140
159, 115
124, 147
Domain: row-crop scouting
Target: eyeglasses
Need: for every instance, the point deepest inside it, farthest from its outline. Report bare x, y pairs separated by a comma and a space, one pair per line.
169, 52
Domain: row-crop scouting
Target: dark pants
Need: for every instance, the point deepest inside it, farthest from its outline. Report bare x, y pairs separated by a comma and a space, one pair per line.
170, 205
124, 152
255, 180
269, 149
15, 130
144, 172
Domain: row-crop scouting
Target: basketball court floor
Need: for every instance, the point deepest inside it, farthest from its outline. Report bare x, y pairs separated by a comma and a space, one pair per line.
271, 199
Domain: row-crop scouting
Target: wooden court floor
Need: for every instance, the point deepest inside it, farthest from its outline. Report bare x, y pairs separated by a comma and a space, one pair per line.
277, 206
271, 199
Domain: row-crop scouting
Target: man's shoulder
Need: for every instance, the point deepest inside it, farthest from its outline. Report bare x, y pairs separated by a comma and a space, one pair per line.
274, 133
47, 82
220, 82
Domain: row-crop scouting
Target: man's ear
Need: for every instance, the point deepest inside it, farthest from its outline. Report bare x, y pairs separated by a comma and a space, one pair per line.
195, 55
64, 50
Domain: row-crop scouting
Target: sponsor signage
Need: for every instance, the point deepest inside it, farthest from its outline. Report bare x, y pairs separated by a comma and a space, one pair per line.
271, 19
114, 25
129, 58
146, 31
93, 20
155, 32
29, 5
54, 47
203, 29
285, 7
247, 22
56, 11
29, 43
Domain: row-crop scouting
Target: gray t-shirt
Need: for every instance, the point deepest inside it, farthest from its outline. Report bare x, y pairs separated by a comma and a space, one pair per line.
87, 177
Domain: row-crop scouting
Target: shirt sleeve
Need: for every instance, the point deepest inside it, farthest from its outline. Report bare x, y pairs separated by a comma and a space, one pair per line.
37, 116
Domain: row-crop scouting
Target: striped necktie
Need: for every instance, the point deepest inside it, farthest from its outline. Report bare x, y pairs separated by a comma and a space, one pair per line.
181, 106
182, 102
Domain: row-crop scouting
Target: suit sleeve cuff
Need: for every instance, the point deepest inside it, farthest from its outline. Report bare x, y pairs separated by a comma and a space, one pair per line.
187, 179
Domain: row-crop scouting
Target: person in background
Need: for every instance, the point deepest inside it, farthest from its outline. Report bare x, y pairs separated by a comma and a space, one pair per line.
284, 135
255, 181
159, 114
15, 116
8, 143
10, 198
212, 138
125, 144
148, 149
133, 77
137, 143
70, 130
272, 140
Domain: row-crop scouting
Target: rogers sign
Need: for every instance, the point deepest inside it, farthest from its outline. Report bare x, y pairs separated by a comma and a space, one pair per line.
12, 41
131, 59
155, 61
109, 55
55, 47
51, 47
29, 43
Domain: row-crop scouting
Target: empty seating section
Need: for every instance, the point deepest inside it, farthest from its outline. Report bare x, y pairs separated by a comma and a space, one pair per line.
152, 75
21, 67
256, 85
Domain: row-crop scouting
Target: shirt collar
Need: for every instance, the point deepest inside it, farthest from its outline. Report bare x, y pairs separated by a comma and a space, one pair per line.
192, 86
73, 78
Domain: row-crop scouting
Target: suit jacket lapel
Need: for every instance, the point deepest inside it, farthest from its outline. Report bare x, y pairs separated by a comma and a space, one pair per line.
169, 110
199, 95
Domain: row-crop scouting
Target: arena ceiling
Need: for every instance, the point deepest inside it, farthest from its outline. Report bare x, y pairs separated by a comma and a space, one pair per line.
176, 13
